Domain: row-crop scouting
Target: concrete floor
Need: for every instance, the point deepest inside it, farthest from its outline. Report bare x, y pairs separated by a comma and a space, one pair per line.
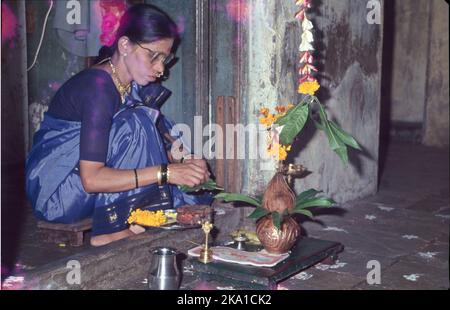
404, 229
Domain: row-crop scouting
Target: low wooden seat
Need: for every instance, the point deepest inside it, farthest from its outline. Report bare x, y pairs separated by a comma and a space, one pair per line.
73, 234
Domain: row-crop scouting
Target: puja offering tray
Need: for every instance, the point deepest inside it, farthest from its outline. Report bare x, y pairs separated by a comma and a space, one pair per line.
183, 218
305, 254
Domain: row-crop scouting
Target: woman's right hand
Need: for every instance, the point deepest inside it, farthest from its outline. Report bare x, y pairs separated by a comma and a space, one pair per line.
188, 174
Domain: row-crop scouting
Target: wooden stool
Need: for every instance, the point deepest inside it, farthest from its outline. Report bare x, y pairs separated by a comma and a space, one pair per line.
73, 234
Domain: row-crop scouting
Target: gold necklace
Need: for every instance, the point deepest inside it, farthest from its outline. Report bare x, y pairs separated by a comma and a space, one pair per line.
123, 89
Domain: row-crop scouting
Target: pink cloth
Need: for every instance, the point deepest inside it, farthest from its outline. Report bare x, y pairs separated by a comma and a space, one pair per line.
230, 255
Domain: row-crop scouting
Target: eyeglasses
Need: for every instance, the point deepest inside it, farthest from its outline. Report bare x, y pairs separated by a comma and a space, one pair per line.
157, 56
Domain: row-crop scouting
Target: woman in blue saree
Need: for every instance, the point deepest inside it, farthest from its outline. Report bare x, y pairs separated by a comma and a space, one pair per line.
104, 148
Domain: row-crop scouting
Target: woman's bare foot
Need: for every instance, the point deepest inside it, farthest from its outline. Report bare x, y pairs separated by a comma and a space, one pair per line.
108, 238
137, 229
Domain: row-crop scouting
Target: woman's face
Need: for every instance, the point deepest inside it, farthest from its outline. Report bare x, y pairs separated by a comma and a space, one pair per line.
143, 66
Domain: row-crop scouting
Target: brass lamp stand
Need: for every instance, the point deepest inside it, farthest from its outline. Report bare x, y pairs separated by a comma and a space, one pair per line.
206, 252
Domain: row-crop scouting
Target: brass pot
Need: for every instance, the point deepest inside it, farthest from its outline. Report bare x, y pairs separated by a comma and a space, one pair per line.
277, 241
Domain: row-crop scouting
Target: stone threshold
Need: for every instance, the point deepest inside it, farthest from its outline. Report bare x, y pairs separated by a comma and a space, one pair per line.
114, 265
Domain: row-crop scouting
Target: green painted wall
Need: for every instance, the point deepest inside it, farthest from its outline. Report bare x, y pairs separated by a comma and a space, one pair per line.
54, 65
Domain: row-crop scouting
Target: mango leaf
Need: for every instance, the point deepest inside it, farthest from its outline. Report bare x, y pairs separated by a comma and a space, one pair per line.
344, 137
318, 125
343, 154
335, 142
276, 219
227, 197
293, 123
314, 202
258, 213
306, 194
209, 185
304, 212
288, 116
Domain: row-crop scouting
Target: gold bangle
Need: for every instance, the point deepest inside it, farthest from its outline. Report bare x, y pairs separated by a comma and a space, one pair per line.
168, 174
158, 175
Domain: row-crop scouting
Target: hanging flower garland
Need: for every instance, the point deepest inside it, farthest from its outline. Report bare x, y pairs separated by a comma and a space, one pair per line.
112, 11
308, 84
288, 121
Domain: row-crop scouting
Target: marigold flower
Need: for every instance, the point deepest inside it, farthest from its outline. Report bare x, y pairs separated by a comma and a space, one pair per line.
278, 116
147, 218
280, 108
264, 111
268, 120
282, 153
308, 88
278, 151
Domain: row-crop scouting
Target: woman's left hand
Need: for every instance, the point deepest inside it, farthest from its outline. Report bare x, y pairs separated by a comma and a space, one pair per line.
199, 163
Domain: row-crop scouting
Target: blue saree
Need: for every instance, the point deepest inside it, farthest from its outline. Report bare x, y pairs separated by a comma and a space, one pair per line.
53, 182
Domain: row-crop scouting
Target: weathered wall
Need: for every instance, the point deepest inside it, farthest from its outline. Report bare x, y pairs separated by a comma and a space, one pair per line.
410, 58
350, 52
418, 99
436, 119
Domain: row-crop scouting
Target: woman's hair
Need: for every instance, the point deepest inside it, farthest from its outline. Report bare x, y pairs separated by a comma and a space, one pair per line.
141, 23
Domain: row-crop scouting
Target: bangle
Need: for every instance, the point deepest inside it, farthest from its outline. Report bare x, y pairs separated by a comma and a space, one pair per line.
158, 175
136, 180
163, 173
168, 175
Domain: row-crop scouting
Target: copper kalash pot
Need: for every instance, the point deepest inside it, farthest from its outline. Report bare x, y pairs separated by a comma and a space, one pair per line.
277, 241
278, 197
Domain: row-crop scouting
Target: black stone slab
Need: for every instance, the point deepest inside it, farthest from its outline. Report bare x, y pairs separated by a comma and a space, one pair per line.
306, 253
